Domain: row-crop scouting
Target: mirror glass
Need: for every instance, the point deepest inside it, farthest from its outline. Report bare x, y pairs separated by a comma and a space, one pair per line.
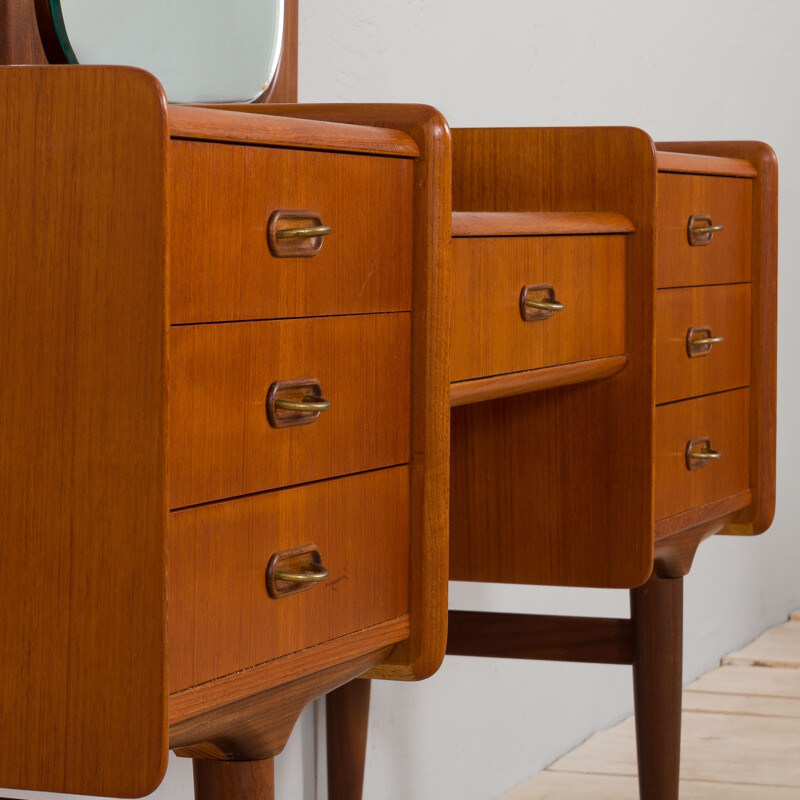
202, 51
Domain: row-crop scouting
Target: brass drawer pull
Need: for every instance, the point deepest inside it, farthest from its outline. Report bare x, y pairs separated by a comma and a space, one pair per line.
303, 233
699, 453
538, 302
296, 570
309, 403
701, 230
708, 229
545, 305
312, 573
296, 234
708, 340
700, 340
297, 402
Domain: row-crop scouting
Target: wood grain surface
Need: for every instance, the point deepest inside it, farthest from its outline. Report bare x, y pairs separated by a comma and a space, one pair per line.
192, 703
723, 418
740, 740
716, 509
259, 124
657, 614
778, 647
764, 329
83, 462
725, 311
465, 392
555, 487
430, 408
346, 724
549, 638
258, 726
489, 336
550, 482
698, 164
728, 202
233, 780
19, 34
677, 547
221, 442
221, 200
533, 223
221, 617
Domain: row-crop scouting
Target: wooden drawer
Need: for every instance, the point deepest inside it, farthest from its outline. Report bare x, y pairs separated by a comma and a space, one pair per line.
221, 441
706, 312
221, 616
724, 201
721, 418
221, 201
490, 337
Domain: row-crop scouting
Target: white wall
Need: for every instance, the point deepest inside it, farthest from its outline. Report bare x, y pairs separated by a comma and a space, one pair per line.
690, 69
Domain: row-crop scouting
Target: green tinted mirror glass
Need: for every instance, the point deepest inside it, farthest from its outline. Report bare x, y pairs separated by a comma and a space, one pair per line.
202, 51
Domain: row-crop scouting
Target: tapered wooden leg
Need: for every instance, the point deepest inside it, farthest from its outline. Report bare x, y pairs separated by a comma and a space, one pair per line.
234, 780
347, 715
657, 613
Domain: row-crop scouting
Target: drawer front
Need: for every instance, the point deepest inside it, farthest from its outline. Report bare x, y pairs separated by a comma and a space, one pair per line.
722, 419
221, 201
713, 201
490, 336
222, 443
222, 618
698, 314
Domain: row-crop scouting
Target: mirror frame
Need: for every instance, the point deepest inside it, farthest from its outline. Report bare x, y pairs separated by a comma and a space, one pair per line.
28, 36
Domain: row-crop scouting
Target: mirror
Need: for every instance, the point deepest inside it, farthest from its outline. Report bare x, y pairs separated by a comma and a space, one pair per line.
202, 51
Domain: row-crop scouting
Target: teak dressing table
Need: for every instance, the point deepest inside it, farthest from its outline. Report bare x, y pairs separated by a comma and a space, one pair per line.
613, 397
590, 396
225, 420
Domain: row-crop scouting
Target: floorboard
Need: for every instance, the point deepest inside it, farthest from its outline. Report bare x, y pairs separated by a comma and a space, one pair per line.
740, 735
778, 647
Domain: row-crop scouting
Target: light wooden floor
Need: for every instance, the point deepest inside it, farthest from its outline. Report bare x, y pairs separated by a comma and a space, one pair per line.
740, 735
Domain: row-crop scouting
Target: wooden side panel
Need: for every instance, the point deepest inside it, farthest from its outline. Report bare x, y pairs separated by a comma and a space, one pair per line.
222, 619
533, 503
83, 459
558, 487
19, 35
430, 413
764, 324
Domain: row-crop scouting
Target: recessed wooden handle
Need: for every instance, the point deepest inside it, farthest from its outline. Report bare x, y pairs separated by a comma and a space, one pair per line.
296, 570
699, 453
538, 302
700, 340
701, 229
296, 234
296, 402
